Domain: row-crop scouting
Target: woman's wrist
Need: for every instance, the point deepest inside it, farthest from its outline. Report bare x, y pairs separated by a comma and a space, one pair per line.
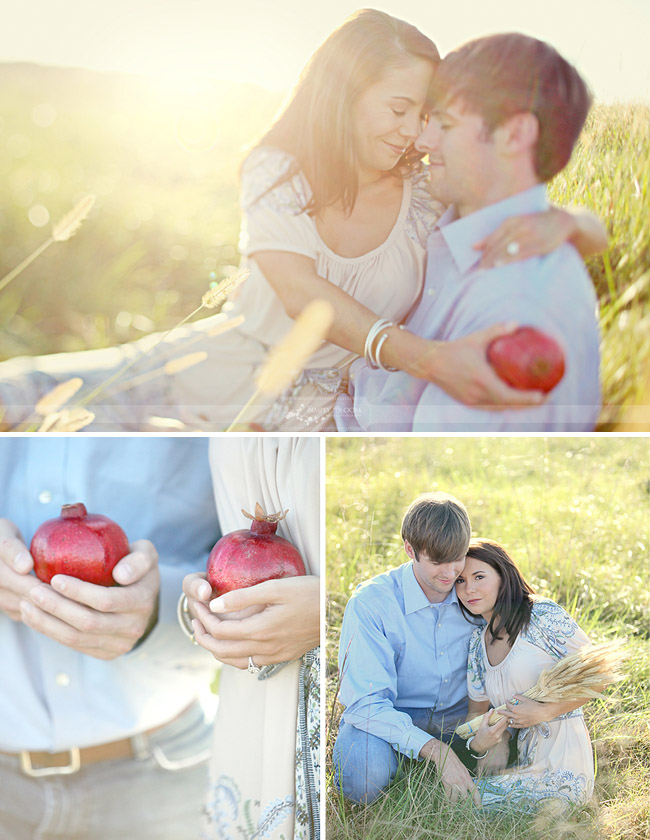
408, 352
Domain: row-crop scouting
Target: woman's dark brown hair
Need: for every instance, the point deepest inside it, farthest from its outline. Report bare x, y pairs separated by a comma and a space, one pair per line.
316, 125
511, 613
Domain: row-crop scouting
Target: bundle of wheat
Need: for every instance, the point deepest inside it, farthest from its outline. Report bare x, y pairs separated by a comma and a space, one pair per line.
576, 677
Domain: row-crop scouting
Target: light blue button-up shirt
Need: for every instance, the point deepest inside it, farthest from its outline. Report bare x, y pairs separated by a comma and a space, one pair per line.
553, 293
399, 651
51, 697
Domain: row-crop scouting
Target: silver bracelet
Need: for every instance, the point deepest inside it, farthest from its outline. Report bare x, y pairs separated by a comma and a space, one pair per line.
373, 332
185, 619
380, 344
467, 745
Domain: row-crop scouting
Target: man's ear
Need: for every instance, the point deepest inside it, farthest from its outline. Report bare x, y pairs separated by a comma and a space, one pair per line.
519, 132
408, 548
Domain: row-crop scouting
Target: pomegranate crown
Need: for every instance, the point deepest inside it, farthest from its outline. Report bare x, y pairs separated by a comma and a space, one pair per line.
261, 516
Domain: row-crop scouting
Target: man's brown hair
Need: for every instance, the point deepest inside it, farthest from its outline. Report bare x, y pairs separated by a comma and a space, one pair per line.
502, 75
437, 525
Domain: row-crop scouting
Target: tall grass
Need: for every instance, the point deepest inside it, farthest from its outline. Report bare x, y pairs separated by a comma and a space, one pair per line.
575, 514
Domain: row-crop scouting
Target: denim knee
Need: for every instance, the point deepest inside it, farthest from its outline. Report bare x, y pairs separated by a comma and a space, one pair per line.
364, 765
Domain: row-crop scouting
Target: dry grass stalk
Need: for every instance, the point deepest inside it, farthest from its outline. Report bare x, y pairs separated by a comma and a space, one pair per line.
63, 230
58, 396
184, 362
67, 227
68, 420
576, 677
213, 297
285, 361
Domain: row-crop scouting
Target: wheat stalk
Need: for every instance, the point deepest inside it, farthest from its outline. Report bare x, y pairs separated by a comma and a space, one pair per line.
68, 420
576, 677
61, 231
58, 396
285, 361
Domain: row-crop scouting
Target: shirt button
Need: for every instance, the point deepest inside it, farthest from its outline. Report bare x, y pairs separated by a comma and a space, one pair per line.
45, 497
431, 292
442, 653
446, 680
62, 679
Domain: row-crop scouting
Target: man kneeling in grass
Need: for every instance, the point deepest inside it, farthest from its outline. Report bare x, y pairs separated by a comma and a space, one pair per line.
403, 659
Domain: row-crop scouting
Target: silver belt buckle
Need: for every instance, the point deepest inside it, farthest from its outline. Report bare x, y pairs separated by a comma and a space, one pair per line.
73, 765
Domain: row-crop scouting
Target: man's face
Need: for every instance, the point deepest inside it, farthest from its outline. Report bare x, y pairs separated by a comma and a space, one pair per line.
436, 579
463, 159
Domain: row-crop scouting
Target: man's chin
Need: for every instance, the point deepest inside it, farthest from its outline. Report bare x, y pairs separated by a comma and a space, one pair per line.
437, 186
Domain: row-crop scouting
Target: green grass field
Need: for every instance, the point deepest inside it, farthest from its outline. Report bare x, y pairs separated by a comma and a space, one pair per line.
575, 515
164, 167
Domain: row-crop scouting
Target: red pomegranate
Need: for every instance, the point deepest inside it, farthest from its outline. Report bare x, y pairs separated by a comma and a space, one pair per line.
527, 359
249, 556
84, 545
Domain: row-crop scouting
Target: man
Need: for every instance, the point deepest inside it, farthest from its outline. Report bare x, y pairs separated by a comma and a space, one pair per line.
508, 112
403, 659
102, 734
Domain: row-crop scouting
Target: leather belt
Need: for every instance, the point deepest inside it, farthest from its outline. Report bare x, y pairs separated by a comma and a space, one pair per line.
71, 761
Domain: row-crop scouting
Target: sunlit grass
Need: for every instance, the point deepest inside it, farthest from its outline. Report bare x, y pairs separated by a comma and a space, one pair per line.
575, 513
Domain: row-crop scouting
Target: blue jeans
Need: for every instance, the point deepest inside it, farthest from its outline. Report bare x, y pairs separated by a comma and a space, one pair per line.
364, 765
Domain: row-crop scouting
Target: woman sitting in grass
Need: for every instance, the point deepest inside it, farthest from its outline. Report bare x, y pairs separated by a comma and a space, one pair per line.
524, 635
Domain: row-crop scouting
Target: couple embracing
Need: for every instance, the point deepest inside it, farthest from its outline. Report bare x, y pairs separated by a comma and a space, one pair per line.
422, 265
444, 638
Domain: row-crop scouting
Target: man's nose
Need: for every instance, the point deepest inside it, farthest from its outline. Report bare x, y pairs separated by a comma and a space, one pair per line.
428, 139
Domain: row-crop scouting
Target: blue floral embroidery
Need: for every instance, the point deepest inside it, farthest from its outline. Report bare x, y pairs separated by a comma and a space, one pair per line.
476, 664
550, 627
230, 818
526, 792
423, 212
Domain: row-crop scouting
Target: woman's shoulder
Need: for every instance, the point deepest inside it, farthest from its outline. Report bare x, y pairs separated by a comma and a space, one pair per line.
271, 176
424, 211
550, 627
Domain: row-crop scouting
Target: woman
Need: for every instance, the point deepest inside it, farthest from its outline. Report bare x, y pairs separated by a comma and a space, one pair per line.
523, 636
335, 206
264, 773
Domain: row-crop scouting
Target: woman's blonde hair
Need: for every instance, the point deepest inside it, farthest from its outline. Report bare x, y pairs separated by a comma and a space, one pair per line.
315, 127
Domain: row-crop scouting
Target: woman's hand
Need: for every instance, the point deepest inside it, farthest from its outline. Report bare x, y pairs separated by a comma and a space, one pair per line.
496, 761
284, 625
487, 737
523, 712
522, 237
461, 369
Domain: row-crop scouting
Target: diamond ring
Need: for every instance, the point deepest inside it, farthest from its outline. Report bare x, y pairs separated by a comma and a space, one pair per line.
252, 667
512, 248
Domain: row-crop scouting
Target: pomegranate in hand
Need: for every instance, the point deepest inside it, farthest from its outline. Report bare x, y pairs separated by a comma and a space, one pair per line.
244, 558
85, 545
527, 359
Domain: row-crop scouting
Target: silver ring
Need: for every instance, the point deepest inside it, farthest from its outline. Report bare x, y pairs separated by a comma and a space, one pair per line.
511, 721
185, 618
252, 667
512, 248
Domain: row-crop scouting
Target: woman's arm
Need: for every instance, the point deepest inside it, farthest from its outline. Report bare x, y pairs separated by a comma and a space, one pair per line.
458, 367
528, 712
540, 233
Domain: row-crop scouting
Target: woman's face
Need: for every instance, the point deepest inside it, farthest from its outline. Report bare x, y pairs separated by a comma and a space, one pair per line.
478, 587
388, 116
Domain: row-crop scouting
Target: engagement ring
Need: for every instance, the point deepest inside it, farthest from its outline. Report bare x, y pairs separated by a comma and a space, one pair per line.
252, 667
512, 249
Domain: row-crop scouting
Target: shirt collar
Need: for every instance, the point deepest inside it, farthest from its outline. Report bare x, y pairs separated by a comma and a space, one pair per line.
414, 597
461, 234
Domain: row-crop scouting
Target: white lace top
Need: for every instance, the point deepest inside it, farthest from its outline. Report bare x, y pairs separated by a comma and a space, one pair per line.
387, 279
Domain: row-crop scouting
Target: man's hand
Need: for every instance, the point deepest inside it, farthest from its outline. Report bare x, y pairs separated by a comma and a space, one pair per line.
271, 622
15, 565
455, 777
102, 621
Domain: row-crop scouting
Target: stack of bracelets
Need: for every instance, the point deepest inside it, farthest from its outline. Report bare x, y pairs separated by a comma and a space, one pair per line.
374, 343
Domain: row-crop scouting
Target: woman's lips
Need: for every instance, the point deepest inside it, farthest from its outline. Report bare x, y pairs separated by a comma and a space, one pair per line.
399, 150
